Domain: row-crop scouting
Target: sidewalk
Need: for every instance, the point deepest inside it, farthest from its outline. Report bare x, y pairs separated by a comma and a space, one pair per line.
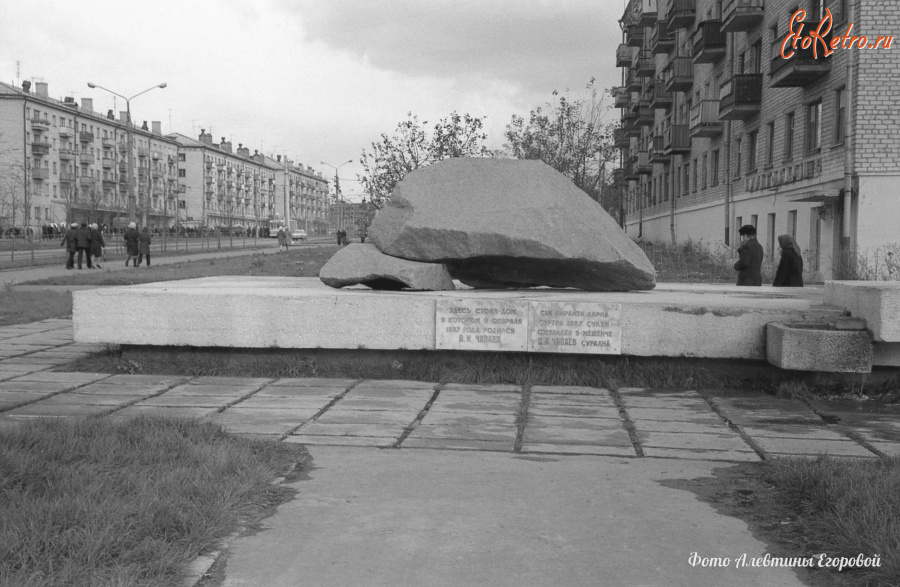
418, 483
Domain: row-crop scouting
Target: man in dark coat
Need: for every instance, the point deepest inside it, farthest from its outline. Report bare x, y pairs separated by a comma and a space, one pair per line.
144, 239
750, 257
97, 244
71, 244
83, 242
790, 268
131, 244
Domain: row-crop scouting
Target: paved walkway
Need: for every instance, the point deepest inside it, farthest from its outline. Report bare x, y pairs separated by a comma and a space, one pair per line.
418, 483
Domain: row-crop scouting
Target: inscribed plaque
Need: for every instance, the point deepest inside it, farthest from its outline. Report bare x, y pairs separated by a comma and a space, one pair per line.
481, 325
578, 327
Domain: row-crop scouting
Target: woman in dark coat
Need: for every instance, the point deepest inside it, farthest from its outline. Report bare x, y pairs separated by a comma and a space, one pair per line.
97, 244
790, 268
131, 244
144, 246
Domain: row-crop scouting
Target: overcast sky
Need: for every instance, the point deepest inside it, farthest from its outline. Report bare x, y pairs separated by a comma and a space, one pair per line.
318, 80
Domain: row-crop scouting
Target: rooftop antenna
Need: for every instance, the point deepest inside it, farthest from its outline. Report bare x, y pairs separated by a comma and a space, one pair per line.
18, 72
170, 120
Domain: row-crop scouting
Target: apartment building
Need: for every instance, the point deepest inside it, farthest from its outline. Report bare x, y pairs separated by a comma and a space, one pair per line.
720, 130
62, 162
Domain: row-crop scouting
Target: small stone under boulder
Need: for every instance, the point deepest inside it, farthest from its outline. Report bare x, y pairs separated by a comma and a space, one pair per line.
509, 223
364, 264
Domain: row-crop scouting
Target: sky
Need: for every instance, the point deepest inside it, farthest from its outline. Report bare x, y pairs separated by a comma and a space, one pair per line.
315, 80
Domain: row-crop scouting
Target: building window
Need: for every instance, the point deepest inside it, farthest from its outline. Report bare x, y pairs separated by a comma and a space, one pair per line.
739, 221
694, 182
181, 156
37, 212
840, 115
789, 136
182, 173
754, 218
751, 162
714, 168
737, 153
814, 127
770, 144
770, 235
686, 185
705, 161
792, 223
666, 187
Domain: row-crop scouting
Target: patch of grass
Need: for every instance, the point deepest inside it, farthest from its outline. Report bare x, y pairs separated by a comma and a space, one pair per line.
846, 507
103, 502
298, 262
18, 307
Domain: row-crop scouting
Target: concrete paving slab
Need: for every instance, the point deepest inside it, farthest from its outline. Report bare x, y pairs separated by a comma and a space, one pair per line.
393, 384
662, 402
141, 379
488, 388
30, 360
469, 419
313, 382
137, 390
891, 449
35, 386
9, 370
730, 456
381, 442
568, 390
235, 390
71, 378
338, 416
448, 405
287, 403
561, 399
807, 432
12, 399
273, 390
232, 381
574, 411
249, 413
567, 422
23, 347
469, 444
687, 427
427, 517
168, 412
315, 428
195, 401
579, 449
404, 404
44, 408
727, 441
479, 432
803, 446
245, 425
84, 399
673, 414
612, 436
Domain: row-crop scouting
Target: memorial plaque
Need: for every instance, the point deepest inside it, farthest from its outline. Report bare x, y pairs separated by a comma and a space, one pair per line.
481, 325
578, 327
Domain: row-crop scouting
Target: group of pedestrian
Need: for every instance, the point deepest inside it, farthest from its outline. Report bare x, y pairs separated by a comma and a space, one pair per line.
85, 241
137, 245
341, 237
750, 258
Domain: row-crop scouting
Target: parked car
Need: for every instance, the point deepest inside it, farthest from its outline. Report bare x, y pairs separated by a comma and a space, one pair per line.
299, 234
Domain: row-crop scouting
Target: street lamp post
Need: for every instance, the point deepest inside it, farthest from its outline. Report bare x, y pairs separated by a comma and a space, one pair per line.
337, 187
129, 129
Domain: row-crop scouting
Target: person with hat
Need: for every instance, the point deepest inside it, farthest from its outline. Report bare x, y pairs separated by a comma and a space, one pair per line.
790, 268
83, 241
750, 257
131, 244
144, 239
97, 244
71, 244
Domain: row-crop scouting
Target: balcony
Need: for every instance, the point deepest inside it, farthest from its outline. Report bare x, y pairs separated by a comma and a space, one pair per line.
40, 148
709, 42
680, 14
741, 97
65, 132
646, 12
86, 182
642, 164
621, 97
621, 140
123, 146
107, 162
802, 68
657, 150
661, 40
624, 55
677, 139
632, 129
109, 183
40, 124
742, 15
66, 177
629, 170
635, 36
66, 155
632, 82
142, 172
40, 173
645, 113
123, 167
645, 64
143, 153
705, 119
678, 75
661, 98
86, 137
108, 143
85, 158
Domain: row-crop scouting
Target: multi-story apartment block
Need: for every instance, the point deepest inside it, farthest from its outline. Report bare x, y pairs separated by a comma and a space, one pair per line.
61, 162
720, 130
301, 195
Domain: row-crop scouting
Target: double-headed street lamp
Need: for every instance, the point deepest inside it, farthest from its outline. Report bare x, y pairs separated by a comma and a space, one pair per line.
130, 130
337, 187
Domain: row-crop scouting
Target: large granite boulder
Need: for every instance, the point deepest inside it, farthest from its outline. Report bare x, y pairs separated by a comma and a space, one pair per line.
509, 223
366, 265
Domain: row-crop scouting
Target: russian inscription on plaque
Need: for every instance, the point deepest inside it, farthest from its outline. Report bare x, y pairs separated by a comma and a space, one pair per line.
481, 325
578, 327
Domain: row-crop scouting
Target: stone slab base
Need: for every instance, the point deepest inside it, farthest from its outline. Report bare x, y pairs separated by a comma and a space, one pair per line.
674, 320
803, 347
876, 302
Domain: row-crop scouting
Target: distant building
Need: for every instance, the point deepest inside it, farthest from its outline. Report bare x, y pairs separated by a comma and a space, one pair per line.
61, 162
719, 130
356, 217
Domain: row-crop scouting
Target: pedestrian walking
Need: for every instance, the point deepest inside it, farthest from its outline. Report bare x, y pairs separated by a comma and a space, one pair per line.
97, 245
790, 268
83, 242
282, 240
71, 244
144, 246
131, 237
750, 257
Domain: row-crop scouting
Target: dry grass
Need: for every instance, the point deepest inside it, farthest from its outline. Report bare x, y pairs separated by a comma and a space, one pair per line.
18, 307
128, 503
